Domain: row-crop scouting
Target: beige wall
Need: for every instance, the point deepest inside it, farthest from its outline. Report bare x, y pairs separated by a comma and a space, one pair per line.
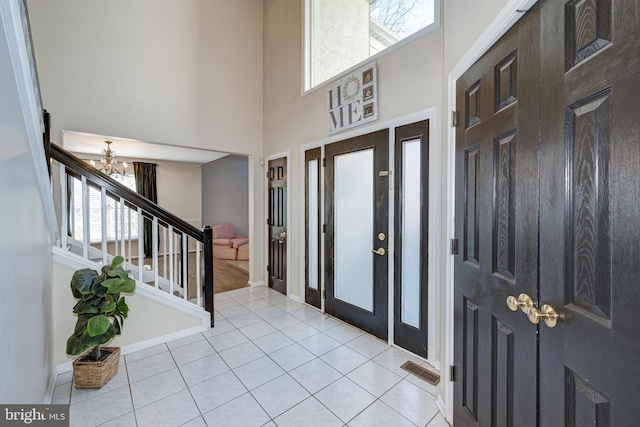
185, 72
409, 80
150, 69
180, 190
463, 22
147, 319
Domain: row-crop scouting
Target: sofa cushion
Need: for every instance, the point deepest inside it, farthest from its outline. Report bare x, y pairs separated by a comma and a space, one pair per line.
237, 242
224, 252
223, 242
224, 231
243, 253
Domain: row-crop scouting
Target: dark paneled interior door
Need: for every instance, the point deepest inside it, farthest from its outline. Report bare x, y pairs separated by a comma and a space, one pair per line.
277, 224
550, 208
590, 213
497, 226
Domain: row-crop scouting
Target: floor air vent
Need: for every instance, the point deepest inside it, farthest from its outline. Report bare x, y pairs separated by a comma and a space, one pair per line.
420, 372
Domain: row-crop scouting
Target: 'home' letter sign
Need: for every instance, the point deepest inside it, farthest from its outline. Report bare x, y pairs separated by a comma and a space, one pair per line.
353, 100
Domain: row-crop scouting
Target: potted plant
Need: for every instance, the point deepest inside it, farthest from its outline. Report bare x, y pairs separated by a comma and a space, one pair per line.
101, 312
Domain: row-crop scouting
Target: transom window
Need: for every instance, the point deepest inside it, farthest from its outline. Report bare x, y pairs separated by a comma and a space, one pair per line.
343, 33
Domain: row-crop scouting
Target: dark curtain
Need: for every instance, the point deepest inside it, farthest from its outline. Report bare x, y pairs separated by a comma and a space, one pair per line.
145, 174
69, 204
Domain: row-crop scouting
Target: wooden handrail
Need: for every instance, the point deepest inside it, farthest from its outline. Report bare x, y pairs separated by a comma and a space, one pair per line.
81, 167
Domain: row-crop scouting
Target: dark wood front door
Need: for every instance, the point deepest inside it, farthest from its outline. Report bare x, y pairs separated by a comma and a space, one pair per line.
312, 286
277, 224
497, 226
571, 172
411, 237
356, 218
590, 213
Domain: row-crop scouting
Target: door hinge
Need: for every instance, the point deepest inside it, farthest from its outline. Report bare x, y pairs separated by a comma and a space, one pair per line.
324, 293
268, 269
324, 228
454, 119
324, 162
454, 246
452, 373
268, 221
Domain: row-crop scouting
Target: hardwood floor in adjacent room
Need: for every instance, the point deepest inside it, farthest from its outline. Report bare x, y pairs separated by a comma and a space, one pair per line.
227, 274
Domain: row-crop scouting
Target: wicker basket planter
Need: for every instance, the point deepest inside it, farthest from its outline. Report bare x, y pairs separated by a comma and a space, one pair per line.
90, 374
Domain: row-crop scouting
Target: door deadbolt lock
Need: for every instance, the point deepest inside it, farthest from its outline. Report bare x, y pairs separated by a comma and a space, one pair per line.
379, 251
523, 302
381, 237
546, 313
283, 234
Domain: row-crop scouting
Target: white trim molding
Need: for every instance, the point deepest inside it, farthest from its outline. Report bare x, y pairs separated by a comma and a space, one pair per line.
255, 284
142, 345
507, 17
15, 25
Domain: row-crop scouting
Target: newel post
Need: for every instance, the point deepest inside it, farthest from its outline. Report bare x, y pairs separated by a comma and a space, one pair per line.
208, 271
46, 137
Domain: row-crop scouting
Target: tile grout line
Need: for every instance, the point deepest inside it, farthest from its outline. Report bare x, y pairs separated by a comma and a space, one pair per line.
303, 320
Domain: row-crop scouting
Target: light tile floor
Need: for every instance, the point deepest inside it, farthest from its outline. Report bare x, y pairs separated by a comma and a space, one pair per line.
269, 361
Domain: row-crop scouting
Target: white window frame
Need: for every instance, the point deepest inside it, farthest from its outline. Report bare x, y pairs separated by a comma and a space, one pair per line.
76, 206
307, 43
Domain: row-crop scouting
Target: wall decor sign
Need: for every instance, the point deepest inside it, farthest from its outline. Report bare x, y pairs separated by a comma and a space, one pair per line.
353, 100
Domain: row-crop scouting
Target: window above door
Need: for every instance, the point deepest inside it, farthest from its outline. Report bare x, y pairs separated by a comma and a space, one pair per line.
340, 34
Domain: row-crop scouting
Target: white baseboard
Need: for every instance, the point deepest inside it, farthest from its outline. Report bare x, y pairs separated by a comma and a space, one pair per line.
255, 284
296, 298
441, 407
127, 349
50, 387
131, 348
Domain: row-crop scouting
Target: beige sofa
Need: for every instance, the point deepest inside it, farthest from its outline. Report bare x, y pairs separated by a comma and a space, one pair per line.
228, 245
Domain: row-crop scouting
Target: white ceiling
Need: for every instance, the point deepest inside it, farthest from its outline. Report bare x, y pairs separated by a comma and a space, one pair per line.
92, 144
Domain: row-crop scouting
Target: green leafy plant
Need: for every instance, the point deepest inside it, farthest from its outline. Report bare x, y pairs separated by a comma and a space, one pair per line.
101, 310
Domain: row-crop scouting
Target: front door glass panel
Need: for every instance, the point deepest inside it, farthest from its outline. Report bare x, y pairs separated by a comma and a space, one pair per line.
353, 222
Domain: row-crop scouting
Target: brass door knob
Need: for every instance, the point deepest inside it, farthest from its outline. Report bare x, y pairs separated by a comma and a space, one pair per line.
523, 302
546, 313
379, 251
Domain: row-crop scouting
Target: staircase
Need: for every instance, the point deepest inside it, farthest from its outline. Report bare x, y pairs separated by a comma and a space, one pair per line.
180, 267
181, 263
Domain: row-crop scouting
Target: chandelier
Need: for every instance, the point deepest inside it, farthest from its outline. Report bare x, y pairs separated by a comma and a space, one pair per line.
109, 162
